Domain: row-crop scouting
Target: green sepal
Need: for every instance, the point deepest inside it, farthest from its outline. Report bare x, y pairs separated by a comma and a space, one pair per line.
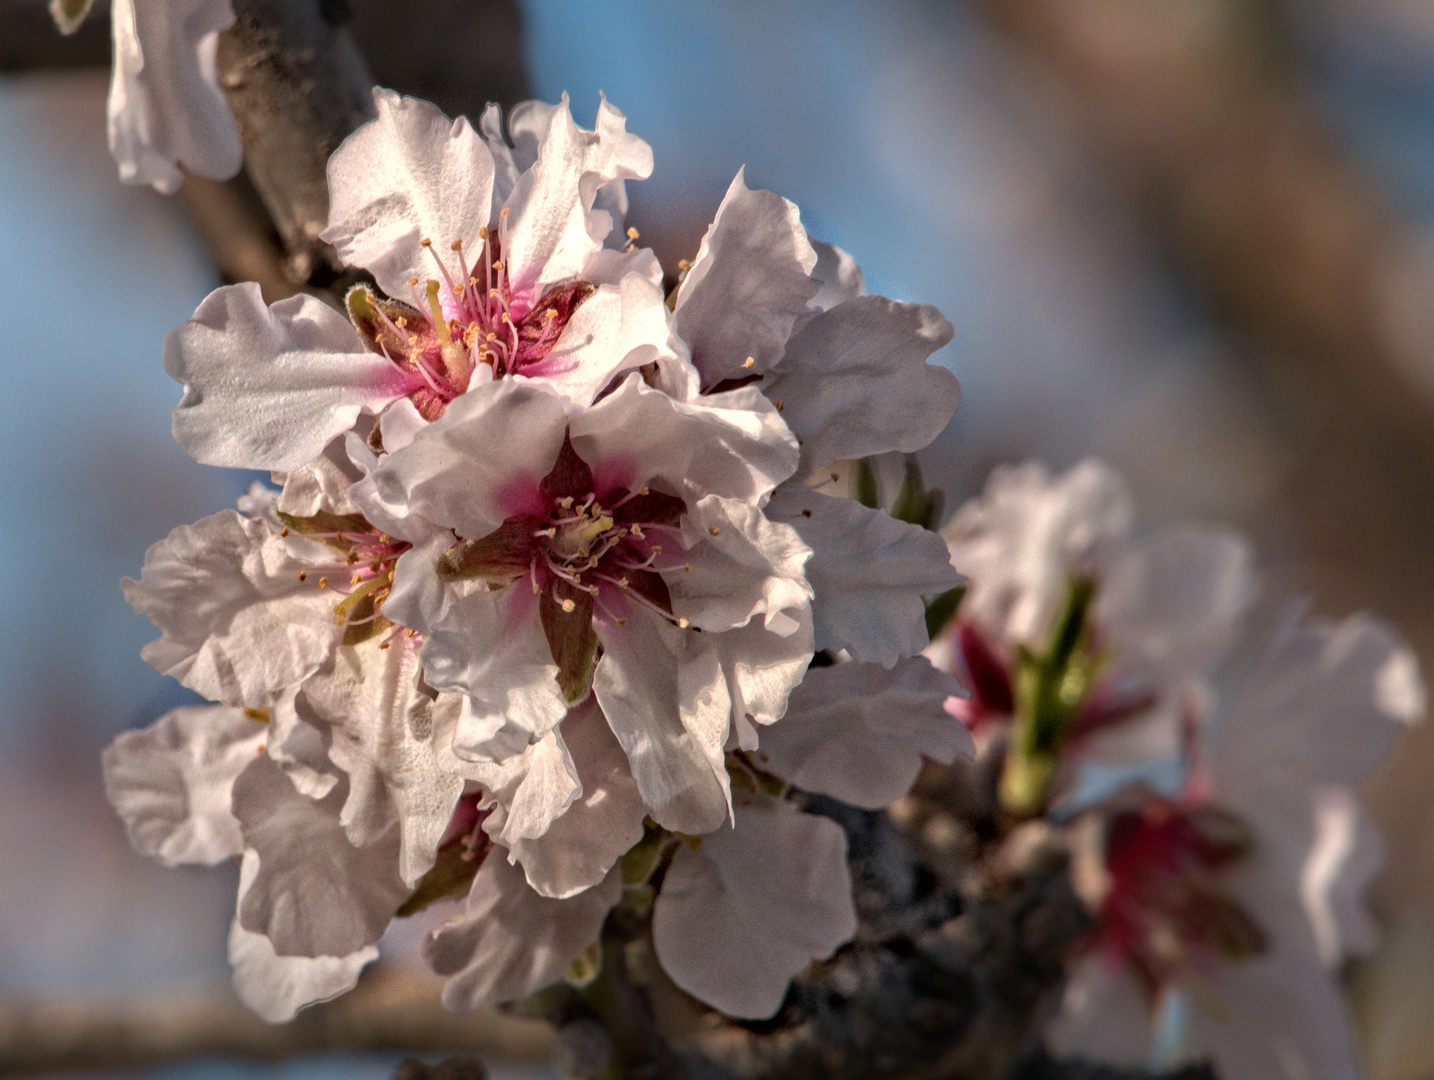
504, 553
325, 522
452, 875
367, 312
572, 640
915, 503
864, 484
940, 610
1049, 689
586, 967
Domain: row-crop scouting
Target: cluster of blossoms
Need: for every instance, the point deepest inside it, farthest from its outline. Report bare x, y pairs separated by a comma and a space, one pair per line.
1206, 787
529, 616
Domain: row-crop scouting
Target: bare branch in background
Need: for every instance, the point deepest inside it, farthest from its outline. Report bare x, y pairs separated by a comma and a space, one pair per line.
236, 230
390, 1010
298, 85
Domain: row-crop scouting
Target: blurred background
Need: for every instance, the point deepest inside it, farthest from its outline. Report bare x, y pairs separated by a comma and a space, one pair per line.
1190, 236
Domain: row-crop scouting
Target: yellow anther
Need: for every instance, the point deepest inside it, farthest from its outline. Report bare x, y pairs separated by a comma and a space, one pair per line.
749, 363
683, 264
400, 322
384, 645
457, 245
506, 211
657, 549
642, 489
413, 281
715, 530
303, 575
284, 531
622, 622
426, 242
632, 233
259, 716
551, 315
687, 567
569, 607
483, 232
684, 622
260, 749
777, 404
622, 582
323, 583
356, 579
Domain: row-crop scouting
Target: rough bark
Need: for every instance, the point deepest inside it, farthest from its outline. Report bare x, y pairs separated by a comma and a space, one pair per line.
297, 85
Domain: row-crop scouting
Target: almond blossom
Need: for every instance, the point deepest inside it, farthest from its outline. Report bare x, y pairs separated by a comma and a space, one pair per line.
1073, 632
620, 552
1221, 912
480, 278
763, 304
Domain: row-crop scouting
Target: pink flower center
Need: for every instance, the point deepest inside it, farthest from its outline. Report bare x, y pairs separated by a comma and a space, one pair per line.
1167, 911
466, 316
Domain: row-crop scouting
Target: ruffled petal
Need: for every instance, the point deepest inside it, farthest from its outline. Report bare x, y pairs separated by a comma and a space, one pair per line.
268, 387
408, 176
745, 566
860, 733
617, 329
171, 782
665, 697
854, 381
870, 573
510, 942
839, 275
762, 667
553, 229
238, 625
748, 285
277, 987
165, 105
491, 646
382, 735
314, 894
691, 449
753, 906
450, 474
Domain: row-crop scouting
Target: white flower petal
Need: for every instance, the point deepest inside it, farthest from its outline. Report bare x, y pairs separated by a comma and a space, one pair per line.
839, 275
529, 791
238, 626
753, 906
860, 733
553, 230
692, 449
268, 387
665, 697
744, 566
165, 105
1327, 700
491, 646
383, 737
762, 666
1347, 855
171, 782
599, 825
619, 328
854, 381
408, 176
510, 942
1024, 539
748, 285
277, 987
1104, 1016
869, 571
450, 472
315, 894
1170, 605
